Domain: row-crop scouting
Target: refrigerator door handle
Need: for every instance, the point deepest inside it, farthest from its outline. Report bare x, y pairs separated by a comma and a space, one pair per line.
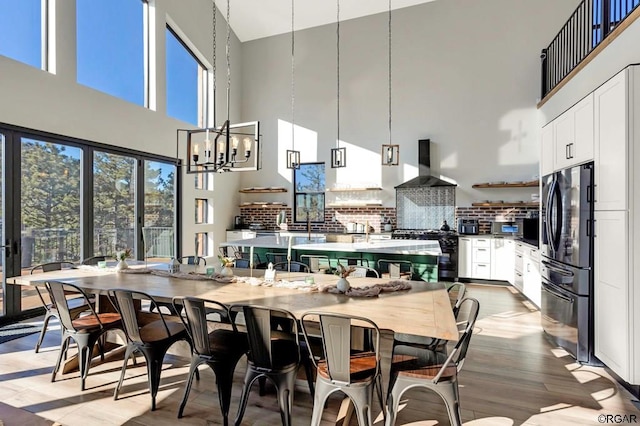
556, 294
554, 268
550, 201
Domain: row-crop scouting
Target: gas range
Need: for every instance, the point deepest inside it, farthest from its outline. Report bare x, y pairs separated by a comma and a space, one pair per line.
422, 234
448, 240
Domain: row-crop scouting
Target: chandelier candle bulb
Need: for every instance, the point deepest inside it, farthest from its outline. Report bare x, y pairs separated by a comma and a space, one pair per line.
289, 249
251, 257
195, 153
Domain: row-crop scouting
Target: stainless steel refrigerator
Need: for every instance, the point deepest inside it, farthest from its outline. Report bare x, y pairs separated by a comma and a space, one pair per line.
567, 260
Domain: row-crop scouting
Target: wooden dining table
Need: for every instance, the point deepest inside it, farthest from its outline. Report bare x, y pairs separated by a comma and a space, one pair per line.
423, 310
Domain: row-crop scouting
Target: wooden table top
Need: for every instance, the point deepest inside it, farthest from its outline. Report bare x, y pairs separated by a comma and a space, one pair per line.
423, 310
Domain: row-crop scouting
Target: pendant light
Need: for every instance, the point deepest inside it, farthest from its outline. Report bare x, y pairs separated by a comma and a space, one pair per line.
390, 152
338, 155
293, 156
229, 147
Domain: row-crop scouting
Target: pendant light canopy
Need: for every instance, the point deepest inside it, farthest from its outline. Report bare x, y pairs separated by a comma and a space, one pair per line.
228, 147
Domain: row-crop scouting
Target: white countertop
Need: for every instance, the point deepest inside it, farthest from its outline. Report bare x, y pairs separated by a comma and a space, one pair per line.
409, 247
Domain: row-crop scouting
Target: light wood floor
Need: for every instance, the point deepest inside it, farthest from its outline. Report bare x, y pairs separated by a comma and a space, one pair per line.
512, 376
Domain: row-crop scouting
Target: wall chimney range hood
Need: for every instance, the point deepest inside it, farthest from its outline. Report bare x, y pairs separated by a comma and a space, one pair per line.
424, 178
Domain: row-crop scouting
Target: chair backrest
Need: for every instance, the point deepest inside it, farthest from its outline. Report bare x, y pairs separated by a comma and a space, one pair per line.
276, 257
57, 291
395, 268
241, 263
456, 295
363, 271
193, 260
52, 266
350, 261
265, 326
467, 316
128, 308
337, 342
93, 260
295, 266
197, 315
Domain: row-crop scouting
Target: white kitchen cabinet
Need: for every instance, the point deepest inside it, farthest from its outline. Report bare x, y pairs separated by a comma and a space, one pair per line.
464, 257
611, 134
503, 259
547, 153
612, 328
574, 135
518, 279
240, 234
481, 258
531, 280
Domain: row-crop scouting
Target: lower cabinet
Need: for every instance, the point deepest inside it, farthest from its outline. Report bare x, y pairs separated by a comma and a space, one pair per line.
531, 280
503, 259
518, 279
481, 258
465, 264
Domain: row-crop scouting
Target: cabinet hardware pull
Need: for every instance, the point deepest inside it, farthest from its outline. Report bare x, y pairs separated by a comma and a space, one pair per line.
566, 152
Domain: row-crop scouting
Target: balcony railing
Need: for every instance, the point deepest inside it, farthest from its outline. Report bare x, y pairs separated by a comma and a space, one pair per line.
582, 32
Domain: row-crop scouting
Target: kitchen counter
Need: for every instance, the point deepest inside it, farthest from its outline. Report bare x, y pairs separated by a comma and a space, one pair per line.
318, 243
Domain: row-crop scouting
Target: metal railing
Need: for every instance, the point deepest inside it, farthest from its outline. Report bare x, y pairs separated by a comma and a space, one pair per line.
582, 32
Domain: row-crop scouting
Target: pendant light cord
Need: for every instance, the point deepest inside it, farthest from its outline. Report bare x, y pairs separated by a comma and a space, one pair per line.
293, 79
228, 50
389, 72
213, 67
338, 70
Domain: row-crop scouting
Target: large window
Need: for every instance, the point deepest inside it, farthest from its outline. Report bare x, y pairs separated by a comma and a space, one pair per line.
184, 74
50, 201
159, 209
21, 31
110, 47
114, 188
309, 184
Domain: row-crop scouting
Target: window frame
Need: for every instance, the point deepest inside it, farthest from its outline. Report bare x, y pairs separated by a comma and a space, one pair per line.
300, 217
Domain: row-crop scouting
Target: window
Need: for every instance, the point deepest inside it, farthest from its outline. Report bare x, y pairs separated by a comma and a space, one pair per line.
309, 184
202, 244
50, 188
159, 209
184, 73
201, 210
21, 23
110, 47
202, 180
114, 188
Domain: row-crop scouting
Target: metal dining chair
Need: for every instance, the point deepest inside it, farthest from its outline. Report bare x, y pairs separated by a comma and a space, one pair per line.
193, 260
274, 353
149, 333
395, 269
363, 271
342, 366
86, 331
291, 266
220, 348
76, 304
413, 367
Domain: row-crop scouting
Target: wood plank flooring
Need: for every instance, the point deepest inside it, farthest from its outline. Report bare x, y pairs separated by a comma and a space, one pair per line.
512, 376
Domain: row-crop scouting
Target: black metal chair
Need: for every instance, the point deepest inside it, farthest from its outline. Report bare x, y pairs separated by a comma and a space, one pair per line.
274, 353
294, 266
276, 257
75, 303
93, 260
148, 332
412, 367
193, 260
86, 331
220, 348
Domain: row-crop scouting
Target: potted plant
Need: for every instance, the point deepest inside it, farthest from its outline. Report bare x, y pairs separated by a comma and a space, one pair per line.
122, 257
226, 264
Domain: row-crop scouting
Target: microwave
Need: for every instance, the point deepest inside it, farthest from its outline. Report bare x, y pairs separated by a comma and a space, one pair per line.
506, 228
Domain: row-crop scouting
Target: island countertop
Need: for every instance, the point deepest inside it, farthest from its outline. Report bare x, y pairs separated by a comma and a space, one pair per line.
318, 243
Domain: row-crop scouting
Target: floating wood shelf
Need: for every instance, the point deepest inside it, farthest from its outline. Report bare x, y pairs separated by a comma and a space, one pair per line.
271, 190
353, 189
531, 184
355, 204
510, 204
263, 204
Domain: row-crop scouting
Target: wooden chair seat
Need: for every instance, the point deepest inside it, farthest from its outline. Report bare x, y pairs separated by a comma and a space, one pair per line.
410, 366
362, 366
227, 342
90, 322
156, 330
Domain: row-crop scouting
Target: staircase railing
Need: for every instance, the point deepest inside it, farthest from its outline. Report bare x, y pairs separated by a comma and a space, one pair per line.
582, 32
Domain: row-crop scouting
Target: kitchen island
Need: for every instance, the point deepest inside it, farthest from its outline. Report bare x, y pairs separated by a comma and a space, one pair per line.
422, 253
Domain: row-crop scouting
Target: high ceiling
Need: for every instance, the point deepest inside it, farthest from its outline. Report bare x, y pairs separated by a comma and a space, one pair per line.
253, 19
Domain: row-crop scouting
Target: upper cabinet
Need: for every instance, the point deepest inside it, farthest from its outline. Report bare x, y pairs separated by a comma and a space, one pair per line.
611, 135
573, 135
547, 165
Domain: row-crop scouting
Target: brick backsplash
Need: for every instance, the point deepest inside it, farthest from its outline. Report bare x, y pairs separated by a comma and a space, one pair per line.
486, 215
375, 215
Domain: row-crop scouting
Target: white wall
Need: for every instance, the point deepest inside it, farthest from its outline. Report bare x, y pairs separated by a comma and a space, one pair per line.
54, 102
466, 74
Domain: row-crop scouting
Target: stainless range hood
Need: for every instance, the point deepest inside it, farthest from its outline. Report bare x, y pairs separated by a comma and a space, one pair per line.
424, 178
